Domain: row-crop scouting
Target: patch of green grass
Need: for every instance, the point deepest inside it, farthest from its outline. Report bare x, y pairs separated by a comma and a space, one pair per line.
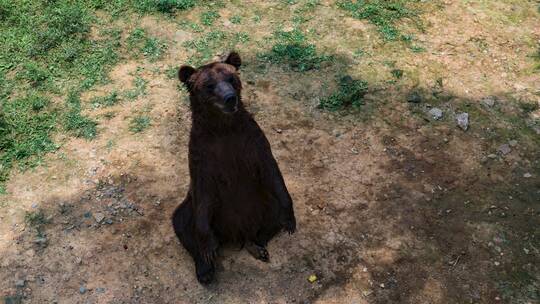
76, 123
164, 6
138, 42
293, 49
138, 90
384, 14
171, 72
350, 92
26, 124
105, 101
236, 19
204, 48
35, 219
139, 123
397, 73
528, 106
209, 17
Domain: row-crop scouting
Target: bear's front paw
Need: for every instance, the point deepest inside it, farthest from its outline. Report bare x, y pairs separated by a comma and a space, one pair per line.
288, 223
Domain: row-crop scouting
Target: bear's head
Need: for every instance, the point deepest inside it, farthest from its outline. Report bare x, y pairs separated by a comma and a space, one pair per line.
216, 84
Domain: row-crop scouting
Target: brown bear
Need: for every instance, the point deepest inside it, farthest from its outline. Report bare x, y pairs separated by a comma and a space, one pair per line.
236, 193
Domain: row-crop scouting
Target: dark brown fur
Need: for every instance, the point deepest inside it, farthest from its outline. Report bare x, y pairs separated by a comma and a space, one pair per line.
237, 193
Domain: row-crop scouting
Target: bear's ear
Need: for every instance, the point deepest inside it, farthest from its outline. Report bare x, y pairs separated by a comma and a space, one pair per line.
234, 60
185, 72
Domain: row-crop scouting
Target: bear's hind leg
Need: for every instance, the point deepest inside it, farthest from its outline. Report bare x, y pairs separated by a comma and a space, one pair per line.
184, 229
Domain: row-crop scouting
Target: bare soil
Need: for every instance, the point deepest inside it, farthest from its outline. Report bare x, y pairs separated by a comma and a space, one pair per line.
392, 207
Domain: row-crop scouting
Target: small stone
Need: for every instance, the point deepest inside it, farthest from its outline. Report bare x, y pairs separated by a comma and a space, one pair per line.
108, 221
492, 156
513, 143
496, 263
100, 290
488, 102
82, 290
462, 120
382, 285
20, 283
34, 205
504, 149
414, 97
87, 214
312, 278
98, 216
436, 113
527, 175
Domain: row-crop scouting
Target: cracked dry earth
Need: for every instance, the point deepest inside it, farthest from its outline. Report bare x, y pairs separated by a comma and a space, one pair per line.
391, 208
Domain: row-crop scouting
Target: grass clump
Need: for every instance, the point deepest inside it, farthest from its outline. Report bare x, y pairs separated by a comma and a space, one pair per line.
105, 101
140, 43
236, 19
293, 49
163, 6
384, 14
528, 106
350, 92
139, 123
76, 123
209, 17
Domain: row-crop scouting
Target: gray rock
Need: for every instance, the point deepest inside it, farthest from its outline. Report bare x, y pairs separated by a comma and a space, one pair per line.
504, 149
462, 120
527, 175
436, 113
513, 143
489, 101
98, 216
414, 97
20, 283
100, 290
492, 156
82, 290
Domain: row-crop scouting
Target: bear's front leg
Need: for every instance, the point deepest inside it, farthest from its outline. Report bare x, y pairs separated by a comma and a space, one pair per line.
273, 180
205, 238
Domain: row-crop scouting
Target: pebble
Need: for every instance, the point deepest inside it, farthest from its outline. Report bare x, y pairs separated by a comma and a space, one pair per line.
98, 216
492, 156
20, 283
504, 149
527, 175
34, 205
513, 143
462, 120
496, 263
436, 113
100, 290
488, 101
82, 290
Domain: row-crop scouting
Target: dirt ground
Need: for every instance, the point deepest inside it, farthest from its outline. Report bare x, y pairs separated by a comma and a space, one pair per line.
392, 206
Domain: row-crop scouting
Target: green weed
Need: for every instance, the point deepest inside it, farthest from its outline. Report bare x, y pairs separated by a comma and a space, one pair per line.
139, 123
293, 49
350, 92
384, 14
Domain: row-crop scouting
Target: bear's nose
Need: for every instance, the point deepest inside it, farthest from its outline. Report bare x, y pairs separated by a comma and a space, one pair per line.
231, 101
